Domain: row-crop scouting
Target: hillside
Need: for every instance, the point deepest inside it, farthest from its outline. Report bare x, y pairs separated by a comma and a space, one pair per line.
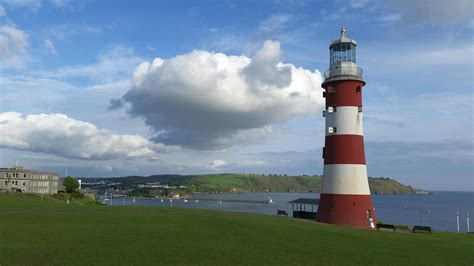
46, 231
234, 183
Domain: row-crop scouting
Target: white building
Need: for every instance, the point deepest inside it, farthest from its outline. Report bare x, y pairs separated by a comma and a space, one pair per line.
17, 179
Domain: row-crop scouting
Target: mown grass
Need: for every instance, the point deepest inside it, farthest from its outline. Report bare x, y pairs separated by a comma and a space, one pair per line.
40, 232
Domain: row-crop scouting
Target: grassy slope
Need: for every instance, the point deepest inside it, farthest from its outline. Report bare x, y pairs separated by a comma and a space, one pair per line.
50, 232
259, 183
388, 186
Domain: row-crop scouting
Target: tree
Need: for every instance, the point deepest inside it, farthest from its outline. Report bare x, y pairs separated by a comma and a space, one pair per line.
71, 184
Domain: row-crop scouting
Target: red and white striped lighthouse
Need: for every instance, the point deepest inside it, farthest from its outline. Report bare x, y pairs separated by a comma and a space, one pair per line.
345, 196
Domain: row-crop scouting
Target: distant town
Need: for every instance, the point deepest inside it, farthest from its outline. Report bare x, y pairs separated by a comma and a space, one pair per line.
22, 180
168, 186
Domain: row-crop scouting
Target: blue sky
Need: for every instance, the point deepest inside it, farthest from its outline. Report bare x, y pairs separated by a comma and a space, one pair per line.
113, 88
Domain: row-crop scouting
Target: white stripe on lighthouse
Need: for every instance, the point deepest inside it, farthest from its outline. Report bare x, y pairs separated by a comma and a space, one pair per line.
345, 179
346, 119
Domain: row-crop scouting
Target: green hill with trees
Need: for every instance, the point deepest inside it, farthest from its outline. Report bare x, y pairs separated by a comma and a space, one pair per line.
235, 183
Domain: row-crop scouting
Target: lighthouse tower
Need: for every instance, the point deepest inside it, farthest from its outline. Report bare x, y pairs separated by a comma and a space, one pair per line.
345, 196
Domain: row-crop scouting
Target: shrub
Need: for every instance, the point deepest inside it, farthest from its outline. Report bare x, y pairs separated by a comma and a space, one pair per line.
77, 195
403, 227
62, 196
71, 184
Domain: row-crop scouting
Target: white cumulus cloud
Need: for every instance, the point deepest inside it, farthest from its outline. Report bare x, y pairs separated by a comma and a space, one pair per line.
210, 101
13, 47
63, 136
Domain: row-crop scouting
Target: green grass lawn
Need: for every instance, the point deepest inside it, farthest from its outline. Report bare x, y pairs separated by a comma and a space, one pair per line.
35, 231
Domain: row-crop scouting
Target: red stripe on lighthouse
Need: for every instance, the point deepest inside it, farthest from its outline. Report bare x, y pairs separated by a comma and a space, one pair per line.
348, 210
345, 93
344, 149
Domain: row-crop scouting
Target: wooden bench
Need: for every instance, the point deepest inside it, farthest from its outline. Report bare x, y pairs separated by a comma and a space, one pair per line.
419, 228
282, 213
387, 226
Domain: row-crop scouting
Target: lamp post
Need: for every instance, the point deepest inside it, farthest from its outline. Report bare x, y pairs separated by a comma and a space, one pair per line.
467, 220
421, 216
457, 221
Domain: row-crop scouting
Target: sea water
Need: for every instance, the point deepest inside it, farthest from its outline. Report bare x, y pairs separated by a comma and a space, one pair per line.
437, 210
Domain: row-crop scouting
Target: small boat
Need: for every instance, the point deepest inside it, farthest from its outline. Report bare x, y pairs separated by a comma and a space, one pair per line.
197, 201
270, 201
133, 199
219, 201
161, 200
185, 200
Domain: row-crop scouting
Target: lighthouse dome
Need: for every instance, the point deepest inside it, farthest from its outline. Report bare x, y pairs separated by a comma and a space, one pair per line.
343, 39
343, 49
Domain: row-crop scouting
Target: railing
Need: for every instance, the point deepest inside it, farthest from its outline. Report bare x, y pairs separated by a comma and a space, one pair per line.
342, 71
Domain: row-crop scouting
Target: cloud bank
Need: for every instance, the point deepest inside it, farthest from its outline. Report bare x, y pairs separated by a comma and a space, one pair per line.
63, 136
210, 101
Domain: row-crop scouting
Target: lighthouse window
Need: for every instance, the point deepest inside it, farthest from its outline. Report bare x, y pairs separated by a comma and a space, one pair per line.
324, 94
324, 149
342, 52
330, 109
358, 89
332, 130
331, 204
360, 109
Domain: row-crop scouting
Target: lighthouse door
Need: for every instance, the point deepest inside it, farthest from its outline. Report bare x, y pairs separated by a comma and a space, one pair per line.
371, 220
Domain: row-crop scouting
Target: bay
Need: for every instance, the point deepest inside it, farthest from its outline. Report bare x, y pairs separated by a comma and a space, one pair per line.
437, 210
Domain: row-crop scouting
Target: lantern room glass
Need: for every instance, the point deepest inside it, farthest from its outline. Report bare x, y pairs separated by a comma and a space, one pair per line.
342, 52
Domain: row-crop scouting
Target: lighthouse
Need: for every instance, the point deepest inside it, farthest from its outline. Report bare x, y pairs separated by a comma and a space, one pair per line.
345, 196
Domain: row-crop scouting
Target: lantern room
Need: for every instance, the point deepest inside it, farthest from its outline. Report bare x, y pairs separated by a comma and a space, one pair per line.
342, 49
342, 59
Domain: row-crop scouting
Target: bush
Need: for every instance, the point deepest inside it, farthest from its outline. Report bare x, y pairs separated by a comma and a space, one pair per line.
62, 196
91, 201
403, 227
71, 184
77, 195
